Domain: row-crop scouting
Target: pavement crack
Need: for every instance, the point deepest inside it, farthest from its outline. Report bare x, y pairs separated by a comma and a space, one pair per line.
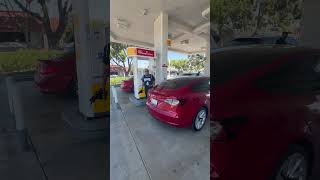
136, 145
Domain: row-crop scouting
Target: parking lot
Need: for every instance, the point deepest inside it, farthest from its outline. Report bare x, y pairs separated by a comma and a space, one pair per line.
62, 152
143, 148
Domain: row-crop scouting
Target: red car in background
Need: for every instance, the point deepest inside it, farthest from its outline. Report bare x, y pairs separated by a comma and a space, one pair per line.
181, 102
127, 85
57, 75
266, 115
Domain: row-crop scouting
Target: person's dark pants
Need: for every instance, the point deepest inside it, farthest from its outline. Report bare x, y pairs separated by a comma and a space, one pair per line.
146, 90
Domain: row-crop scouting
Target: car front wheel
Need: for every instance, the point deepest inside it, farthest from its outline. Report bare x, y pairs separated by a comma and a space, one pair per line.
200, 119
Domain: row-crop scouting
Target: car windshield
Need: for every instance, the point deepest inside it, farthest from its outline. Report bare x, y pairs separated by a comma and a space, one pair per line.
175, 83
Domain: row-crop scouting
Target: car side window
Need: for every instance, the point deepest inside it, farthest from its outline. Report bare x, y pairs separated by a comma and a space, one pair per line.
201, 86
296, 76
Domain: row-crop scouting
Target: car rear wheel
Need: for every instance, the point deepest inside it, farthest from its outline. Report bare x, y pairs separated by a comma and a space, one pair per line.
294, 166
200, 119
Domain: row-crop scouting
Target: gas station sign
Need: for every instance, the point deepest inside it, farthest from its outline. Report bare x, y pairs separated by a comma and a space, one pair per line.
133, 51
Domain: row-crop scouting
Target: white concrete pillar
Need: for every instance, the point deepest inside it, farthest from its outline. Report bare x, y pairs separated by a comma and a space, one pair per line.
207, 62
160, 46
45, 42
90, 22
310, 28
81, 24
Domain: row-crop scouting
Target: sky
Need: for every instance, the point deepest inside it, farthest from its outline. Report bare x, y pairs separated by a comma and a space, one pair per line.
175, 55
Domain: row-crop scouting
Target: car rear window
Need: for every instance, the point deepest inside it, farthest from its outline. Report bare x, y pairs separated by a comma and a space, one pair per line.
227, 66
176, 83
244, 41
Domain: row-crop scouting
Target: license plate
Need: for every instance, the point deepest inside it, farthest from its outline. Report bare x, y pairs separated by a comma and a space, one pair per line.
154, 102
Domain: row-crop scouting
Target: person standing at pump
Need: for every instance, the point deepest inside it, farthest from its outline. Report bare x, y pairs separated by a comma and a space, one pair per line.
148, 81
283, 38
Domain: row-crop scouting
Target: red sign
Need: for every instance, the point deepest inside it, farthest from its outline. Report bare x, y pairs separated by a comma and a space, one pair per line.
145, 52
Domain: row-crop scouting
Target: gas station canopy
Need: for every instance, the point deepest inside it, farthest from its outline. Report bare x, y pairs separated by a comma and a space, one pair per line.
132, 22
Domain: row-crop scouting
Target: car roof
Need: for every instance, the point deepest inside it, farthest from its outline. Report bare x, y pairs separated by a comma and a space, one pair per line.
263, 49
261, 37
191, 78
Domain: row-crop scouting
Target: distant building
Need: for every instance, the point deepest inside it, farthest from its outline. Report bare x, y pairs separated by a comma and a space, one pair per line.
17, 26
117, 70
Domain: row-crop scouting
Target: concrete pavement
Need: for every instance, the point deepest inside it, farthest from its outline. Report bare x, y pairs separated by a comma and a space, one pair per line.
6, 119
62, 155
159, 151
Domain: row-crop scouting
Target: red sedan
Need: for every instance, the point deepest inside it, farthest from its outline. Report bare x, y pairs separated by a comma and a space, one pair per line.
57, 75
127, 85
181, 102
266, 115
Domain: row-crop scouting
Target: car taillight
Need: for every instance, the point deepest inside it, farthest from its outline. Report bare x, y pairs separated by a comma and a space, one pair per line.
226, 129
175, 102
172, 102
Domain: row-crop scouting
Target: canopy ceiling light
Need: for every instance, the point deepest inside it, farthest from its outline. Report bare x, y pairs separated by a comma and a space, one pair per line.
122, 24
185, 42
144, 12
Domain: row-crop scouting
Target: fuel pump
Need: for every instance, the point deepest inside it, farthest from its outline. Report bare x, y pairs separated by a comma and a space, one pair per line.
142, 58
91, 36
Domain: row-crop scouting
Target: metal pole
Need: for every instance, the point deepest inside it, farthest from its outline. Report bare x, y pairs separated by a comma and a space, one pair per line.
19, 116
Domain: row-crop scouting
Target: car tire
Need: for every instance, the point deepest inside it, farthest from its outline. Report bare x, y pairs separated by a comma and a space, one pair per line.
200, 119
295, 156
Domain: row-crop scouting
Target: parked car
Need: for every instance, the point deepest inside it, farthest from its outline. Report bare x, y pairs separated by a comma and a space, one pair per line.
259, 40
266, 113
181, 102
57, 75
127, 85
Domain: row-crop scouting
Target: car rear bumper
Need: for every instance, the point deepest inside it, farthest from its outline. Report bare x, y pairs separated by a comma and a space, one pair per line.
168, 117
52, 83
126, 88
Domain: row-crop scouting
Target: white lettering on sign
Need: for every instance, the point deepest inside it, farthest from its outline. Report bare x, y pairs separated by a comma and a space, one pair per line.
145, 52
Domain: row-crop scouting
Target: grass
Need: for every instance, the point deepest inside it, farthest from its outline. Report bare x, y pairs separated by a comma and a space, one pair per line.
24, 59
117, 80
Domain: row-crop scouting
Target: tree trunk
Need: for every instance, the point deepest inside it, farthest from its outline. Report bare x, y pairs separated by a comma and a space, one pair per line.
53, 39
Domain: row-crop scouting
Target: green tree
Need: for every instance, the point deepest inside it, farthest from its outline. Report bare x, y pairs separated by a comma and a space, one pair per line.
118, 55
236, 14
64, 9
252, 15
196, 62
180, 64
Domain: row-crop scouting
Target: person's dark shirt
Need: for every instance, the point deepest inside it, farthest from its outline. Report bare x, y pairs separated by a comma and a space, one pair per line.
148, 80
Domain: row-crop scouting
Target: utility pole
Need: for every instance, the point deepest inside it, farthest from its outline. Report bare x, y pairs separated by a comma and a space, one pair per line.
28, 23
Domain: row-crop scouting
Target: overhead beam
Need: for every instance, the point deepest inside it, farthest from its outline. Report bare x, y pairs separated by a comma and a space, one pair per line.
201, 27
115, 38
187, 30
